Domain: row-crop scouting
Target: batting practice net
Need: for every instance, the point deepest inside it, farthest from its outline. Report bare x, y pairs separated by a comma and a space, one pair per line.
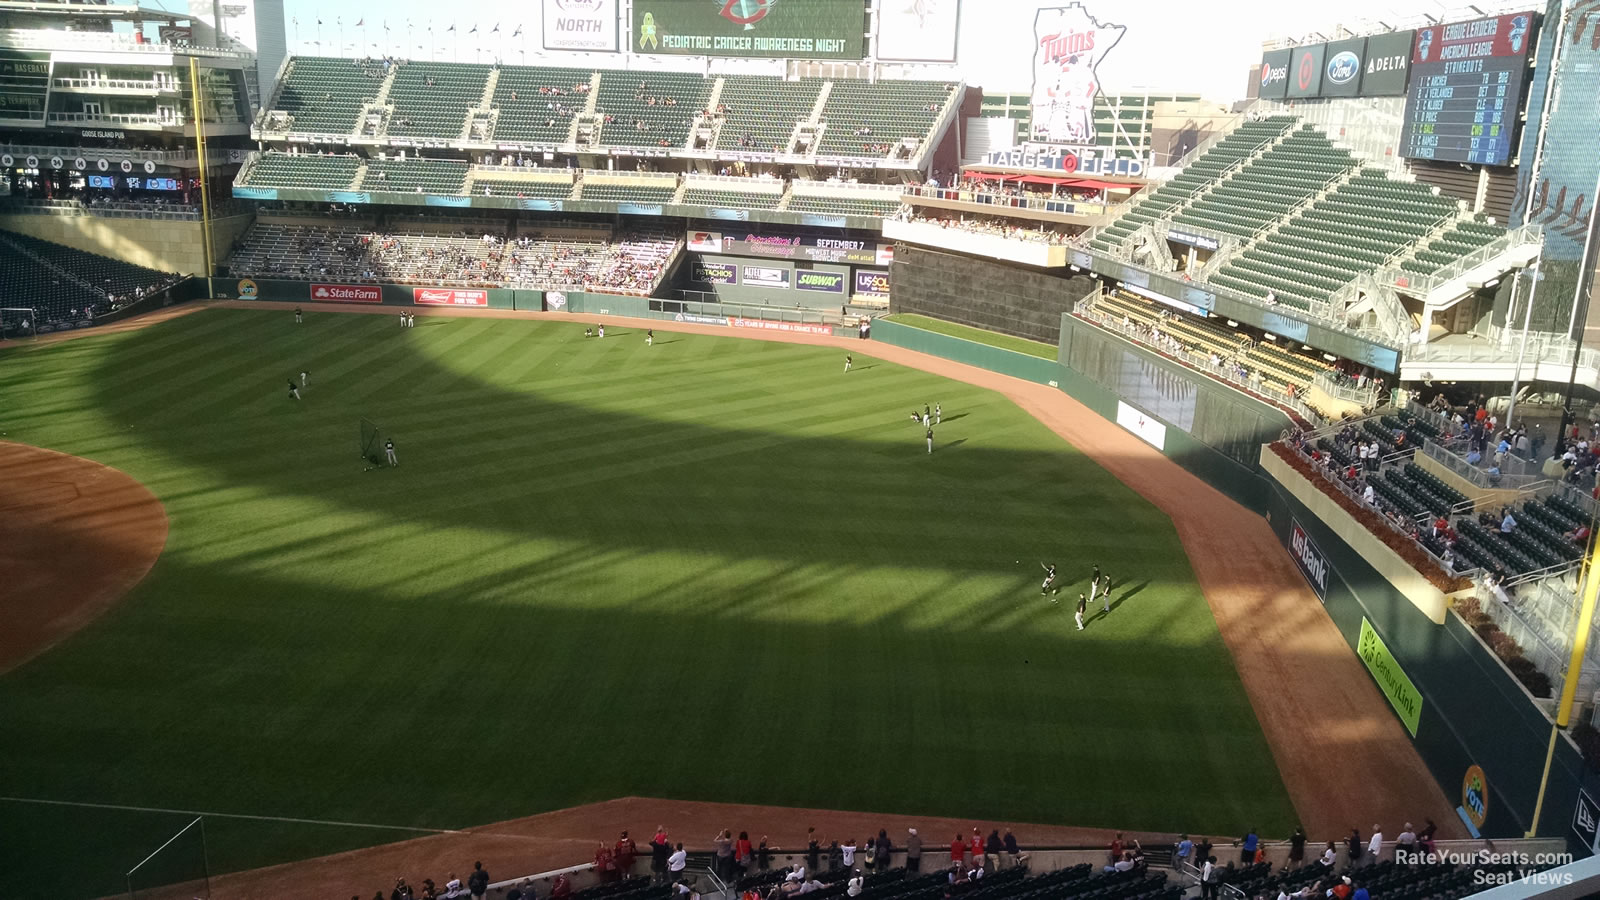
371, 442
18, 323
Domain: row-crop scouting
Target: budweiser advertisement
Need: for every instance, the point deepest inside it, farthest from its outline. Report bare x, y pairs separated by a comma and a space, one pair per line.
346, 293
781, 326
449, 297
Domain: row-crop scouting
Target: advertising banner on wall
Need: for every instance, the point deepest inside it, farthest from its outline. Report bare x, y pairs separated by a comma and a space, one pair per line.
346, 293
812, 29
704, 241
1068, 46
872, 283
1313, 565
713, 273
1388, 64
1148, 430
449, 297
766, 276
1392, 680
1305, 71
1342, 67
589, 25
919, 32
796, 247
1274, 74
821, 282
781, 326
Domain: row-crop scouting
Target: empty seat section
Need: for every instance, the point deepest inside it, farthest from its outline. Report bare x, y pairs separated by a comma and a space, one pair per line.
326, 95
424, 176
302, 170
431, 99
650, 109
862, 114
536, 103
760, 113
844, 206
731, 199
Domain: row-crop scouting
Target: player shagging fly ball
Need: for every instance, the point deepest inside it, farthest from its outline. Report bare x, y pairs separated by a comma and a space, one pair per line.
1049, 586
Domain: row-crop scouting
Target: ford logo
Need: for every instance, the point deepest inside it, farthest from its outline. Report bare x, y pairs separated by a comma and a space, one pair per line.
1343, 67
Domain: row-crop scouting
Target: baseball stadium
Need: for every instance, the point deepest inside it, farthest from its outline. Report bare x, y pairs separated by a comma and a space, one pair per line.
504, 455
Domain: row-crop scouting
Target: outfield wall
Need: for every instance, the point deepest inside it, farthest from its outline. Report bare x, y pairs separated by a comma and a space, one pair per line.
1465, 711
334, 291
1008, 299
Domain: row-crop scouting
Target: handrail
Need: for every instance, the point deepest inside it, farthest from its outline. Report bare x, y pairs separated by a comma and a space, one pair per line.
114, 153
1203, 365
1423, 284
1008, 201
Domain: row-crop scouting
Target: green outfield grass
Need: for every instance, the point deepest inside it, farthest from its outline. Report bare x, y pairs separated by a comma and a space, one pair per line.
710, 569
968, 333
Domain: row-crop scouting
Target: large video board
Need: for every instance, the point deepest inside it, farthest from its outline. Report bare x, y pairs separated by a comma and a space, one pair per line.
1305, 71
813, 29
1466, 89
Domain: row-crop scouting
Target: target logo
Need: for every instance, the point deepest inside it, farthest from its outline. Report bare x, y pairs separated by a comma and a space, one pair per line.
1306, 71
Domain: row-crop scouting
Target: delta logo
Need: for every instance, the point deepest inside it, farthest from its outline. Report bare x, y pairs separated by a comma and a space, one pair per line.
1344, 67
346, 293
1271, 75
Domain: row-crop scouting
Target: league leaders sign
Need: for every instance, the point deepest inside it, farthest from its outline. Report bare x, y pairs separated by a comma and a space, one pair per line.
1466, 89
813, 29
589, 25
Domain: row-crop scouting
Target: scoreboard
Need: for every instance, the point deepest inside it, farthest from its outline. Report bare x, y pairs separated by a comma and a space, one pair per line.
1466, 89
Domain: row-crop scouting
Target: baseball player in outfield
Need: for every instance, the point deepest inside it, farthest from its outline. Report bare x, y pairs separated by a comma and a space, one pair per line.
294, 392
388, 453
1094, 583
847, 362
304, 377
1105, 591
930, 438
1083, 604
649, 337
1049, 586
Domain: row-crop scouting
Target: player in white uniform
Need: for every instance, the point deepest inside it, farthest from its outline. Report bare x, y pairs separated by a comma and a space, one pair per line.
304, 375
1071, 110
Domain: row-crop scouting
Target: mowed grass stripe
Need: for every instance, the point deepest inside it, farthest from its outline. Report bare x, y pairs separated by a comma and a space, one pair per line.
727, 538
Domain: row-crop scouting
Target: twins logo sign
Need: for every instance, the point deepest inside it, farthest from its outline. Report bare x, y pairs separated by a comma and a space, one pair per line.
1312, 563
1068, 46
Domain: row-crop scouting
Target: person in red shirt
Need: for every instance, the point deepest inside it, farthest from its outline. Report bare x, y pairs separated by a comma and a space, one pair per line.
742, 851
975, 844
562, 888
605, 864
623, 854
1116, 848
958, 849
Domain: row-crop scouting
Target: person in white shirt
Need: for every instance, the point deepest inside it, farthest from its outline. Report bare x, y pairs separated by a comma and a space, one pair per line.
848, 848
856, 884
798, 873
1329, 857
1369, 496
677, 861
811, 885
1375, 846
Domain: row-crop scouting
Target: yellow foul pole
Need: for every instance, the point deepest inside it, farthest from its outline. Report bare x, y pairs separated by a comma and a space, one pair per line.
200, 150
1569, 688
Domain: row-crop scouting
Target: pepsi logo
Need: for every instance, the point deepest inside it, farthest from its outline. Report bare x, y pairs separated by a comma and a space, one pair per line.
1271, 75
1344, 67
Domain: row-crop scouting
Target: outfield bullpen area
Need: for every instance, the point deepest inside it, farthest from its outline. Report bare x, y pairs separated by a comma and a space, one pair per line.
712, 569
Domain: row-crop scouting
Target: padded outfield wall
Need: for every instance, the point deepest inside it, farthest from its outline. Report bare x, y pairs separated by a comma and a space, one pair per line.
1008, 299
1472, 716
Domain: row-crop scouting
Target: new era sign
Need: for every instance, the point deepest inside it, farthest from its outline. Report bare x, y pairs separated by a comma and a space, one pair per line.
1586, 820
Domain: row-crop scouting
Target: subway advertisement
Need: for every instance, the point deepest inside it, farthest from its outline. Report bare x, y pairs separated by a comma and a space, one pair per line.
813, 29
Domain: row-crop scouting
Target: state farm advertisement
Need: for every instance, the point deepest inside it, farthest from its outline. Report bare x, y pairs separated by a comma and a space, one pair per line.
781, 326
449, 297
346, 293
